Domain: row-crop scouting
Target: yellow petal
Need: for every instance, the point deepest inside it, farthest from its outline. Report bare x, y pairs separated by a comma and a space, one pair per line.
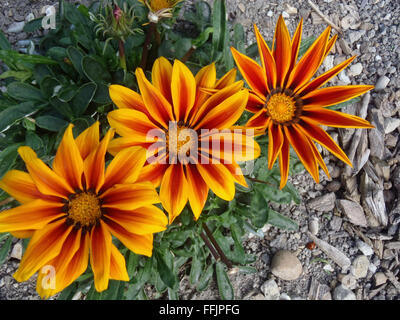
46, 180
173, 191
30, 216
100, 255
20, 186
45, 245
130, 196
88, 140
125, 167
68, 162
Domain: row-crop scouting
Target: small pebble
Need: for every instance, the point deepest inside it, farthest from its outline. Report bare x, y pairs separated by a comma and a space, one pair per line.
342, 293
382, 83
285, 265
380, 278
359, 267
270, 290
364, 248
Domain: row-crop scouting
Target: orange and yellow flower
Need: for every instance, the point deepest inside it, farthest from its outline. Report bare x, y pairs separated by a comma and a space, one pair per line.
72, 210
290, 105
160, 8
176, 99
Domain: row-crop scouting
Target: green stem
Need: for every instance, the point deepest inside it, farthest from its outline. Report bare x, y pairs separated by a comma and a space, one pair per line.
260, 181
210, 247
122, 57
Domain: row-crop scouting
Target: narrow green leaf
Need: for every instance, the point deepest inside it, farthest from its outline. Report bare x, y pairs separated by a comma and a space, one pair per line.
4, 44
195, 270
205, 278
219, 26
5, 249
305, 45
132, 262
239, 38
83, 97
18, 75
165, 272
224, 284
344, 104
10, 55
278, 220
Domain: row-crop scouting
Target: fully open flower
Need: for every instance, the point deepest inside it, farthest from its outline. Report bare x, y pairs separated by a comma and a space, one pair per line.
71, 211
290, 105
160, 8
177, 113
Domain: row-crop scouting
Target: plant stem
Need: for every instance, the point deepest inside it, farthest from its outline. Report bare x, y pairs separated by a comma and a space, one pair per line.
122, 57
209, 245
146, 46
217, 247
7, 200
188, 54
260, 181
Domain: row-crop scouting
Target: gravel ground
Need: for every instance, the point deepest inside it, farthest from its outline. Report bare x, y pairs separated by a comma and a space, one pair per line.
353, 218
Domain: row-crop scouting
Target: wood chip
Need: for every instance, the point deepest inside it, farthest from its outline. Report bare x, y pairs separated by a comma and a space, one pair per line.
333, 253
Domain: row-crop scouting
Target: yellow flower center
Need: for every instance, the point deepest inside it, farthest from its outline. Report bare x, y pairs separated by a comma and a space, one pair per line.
84, 209
281, 108
180, 139
157, 5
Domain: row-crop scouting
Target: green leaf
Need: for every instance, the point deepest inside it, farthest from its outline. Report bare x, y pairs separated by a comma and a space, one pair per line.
5, 249
18, 75
278, 220
57, 53
8, 157
195, 270
289, 188
33, 25
224, 285
102, 95
62, 107
305, 45
132, 262
24, 92
66, 94
239, 38
205, 278
51, 123
15, 113
259, 208
35, 142
4, 44
47, 86
219, 26
76, 56
94, 70
29, 124
83, 97
202, 38
165, 272
13, 56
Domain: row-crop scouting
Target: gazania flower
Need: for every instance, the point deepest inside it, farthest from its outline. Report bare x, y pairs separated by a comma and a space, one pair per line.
175, 105
71, 211
290, 105
160, 8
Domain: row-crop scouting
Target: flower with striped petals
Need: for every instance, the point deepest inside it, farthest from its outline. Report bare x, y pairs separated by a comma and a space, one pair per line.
160, 8
290, 105
71, 211
202, 107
